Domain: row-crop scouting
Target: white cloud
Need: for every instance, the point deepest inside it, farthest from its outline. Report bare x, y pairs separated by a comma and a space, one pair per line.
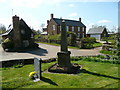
71, 5
36, 3
5, 21
91, 0
104, 21
2, 0
32, 3
26, 3
73, 14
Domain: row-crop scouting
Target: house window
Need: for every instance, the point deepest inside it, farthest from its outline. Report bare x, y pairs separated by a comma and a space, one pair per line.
22, 31
78, 28
83, 29
83, 34
73, 28
53, 27
60, 28
32, 36
78, 34
67, 27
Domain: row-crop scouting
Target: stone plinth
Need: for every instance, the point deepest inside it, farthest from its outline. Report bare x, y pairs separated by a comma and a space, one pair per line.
64, 59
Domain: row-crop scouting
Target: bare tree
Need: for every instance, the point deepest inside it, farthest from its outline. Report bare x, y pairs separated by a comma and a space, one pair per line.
2, 28
41, 26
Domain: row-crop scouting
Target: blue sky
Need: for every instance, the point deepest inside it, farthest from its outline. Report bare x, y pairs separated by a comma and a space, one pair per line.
36, 12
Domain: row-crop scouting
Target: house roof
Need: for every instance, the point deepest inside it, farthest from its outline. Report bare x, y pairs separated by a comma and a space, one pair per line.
96, 30
69, 22
10, 28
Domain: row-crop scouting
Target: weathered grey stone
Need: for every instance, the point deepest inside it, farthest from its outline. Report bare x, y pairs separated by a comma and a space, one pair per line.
37, 67
64, 59
63, 37
64, 55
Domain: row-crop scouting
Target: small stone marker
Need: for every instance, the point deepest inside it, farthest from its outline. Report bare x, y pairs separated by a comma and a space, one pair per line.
37, 68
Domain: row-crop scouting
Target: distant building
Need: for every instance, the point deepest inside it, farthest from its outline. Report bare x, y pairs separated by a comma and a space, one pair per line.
20, 33
97, 32
54, 26
44, 31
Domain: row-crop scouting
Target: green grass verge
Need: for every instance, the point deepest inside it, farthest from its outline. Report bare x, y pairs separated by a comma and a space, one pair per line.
97, 44
93, 75
58, 45
94, 45
107, 52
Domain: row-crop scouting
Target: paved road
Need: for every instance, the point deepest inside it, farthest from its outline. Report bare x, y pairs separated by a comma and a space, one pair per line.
45, 51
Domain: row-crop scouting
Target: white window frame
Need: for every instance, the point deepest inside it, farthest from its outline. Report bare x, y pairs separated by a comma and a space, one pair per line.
83, 35
67, 28
82, 29
78, 29
53, 27
73, 28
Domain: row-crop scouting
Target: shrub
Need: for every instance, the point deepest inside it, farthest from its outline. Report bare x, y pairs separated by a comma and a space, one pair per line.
7, 43
87, 42
71, 38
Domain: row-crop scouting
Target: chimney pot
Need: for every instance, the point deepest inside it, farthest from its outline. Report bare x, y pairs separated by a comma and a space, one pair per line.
80, 19
52, 16
47, 21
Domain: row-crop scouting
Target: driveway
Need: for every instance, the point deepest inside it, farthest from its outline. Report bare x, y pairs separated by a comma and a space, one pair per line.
44, 52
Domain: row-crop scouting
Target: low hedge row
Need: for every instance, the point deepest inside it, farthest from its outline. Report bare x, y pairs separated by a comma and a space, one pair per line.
95, 59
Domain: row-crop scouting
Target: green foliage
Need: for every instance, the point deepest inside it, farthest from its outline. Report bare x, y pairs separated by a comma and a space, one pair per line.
97, 44
54, 37
2, 29
87, 42
92, 75
108, 52
7, 43
71, 38
98, 58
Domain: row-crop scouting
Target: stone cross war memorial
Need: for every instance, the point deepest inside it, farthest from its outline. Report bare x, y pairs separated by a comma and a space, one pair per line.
64, 65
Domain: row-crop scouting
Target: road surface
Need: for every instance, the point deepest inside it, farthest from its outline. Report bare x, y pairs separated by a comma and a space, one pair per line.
45, 52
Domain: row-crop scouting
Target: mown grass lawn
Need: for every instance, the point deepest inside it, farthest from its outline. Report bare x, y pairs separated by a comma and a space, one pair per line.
93, 75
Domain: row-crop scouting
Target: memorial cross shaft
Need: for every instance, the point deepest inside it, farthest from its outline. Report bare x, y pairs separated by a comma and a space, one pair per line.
64, 54
63, 37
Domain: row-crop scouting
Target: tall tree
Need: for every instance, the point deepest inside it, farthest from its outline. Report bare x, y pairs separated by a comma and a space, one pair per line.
2, 28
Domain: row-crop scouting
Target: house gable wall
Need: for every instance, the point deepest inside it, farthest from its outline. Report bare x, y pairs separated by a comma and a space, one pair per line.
50, 27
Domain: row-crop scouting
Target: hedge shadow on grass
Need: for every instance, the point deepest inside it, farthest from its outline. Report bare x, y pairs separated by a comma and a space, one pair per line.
97, 74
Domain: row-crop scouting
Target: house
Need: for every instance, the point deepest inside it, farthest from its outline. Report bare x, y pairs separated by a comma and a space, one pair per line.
54, 26
19, 33
44, 31
97, 32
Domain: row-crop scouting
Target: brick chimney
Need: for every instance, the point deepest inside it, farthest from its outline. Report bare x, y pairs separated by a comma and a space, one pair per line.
47, 21
52, 16
80, 19
16, 32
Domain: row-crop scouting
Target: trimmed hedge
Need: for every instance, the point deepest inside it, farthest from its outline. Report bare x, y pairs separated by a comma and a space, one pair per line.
98, 58
88, 42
